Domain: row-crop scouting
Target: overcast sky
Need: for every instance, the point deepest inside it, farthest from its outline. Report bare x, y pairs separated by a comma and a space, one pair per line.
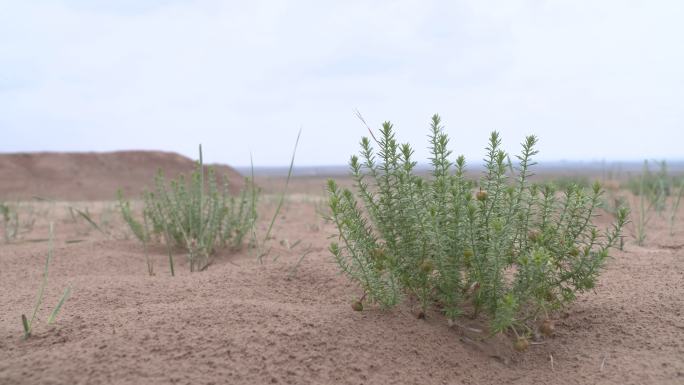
593, 79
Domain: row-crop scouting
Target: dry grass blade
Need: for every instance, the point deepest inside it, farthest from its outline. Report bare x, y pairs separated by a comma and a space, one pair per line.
281, 199
88, 219
360, 117
56, 310
39, 300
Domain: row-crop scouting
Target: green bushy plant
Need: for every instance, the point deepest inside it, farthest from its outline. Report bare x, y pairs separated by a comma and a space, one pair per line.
511, 250
195, 214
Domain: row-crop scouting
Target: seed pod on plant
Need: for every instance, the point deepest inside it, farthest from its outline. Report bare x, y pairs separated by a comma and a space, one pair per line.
357, 306
472, 289
574, 251
377, 253
521, 344
547, 328
481, 195
549, 296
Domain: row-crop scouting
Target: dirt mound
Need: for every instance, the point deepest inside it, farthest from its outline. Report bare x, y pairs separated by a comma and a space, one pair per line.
92, 176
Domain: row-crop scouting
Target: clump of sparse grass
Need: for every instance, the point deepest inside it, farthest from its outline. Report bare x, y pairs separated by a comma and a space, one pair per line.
513, 251
566, 181
13, 223
28, 323
10, 222
655, 186
649, 195
653, 191
195, 214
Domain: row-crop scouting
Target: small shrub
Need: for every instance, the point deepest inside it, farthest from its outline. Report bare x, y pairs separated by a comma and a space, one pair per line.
511, 250
196, 215
10, 222
654, 186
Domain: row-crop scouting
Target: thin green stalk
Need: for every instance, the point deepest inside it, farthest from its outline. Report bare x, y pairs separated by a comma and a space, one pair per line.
86, 216
55, 311
294, 269
201, 197
675, 207
282, 197
255, 239
150, 267
168, 250
41, 290
27, 323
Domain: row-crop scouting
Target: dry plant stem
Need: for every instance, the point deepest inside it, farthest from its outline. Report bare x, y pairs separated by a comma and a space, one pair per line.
150, 267
644, 208
281, 200
293, 271
603, 362
86, 216
675, 207
253, 229
168, 251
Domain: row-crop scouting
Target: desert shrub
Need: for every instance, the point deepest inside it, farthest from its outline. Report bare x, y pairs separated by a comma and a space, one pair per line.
194, 214
511, 251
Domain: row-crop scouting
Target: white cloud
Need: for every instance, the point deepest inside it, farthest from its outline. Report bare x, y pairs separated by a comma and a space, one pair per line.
593, 79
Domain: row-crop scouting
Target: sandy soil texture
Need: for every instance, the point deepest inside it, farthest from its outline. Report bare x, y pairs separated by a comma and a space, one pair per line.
289, 320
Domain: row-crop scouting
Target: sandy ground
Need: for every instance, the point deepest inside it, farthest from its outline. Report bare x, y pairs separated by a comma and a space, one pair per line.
289, 320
